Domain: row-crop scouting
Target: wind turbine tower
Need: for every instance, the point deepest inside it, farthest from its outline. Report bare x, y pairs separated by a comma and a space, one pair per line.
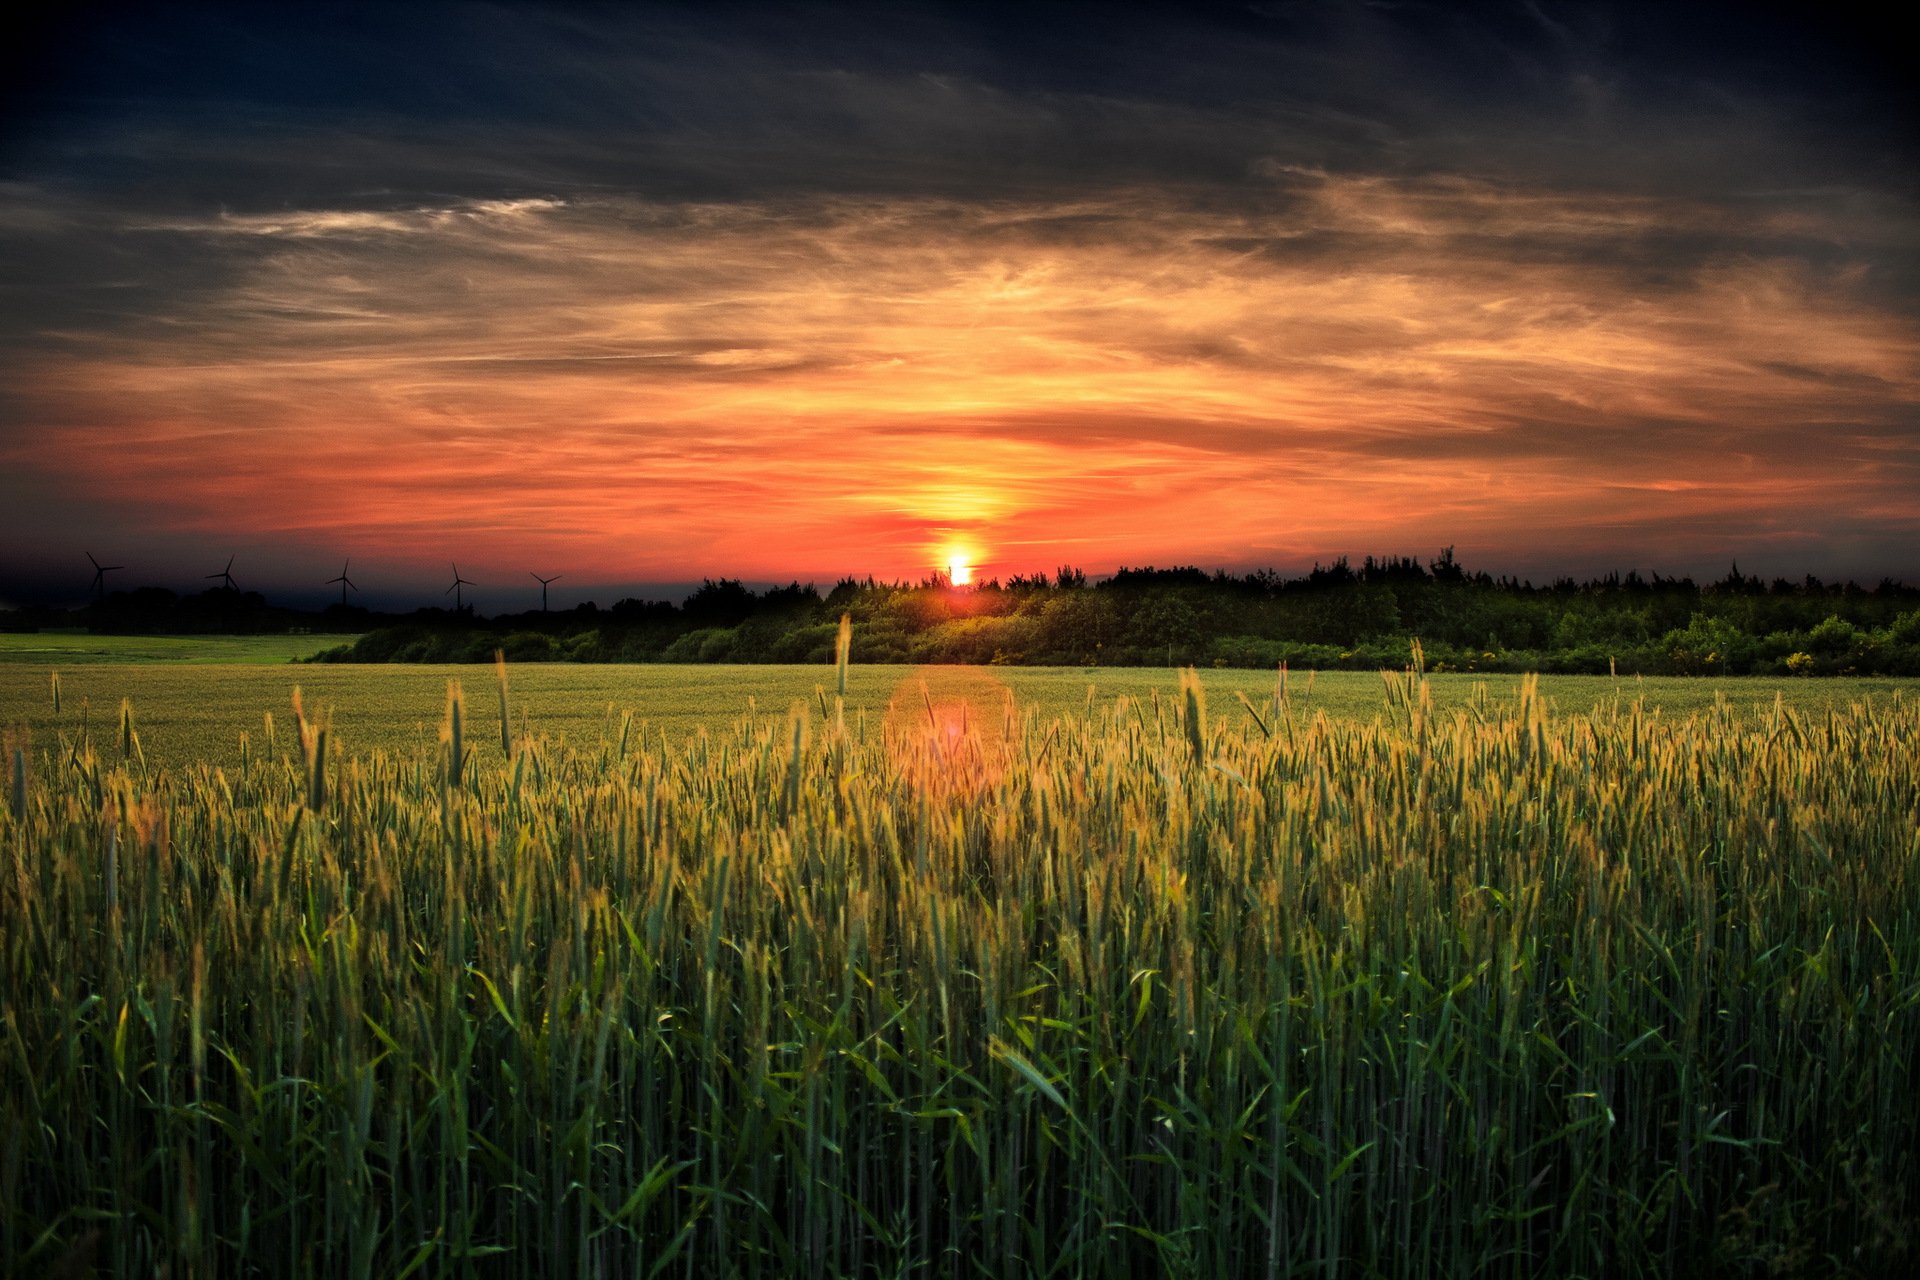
226, 576
344, 581
543, 587
454, 590
100, 572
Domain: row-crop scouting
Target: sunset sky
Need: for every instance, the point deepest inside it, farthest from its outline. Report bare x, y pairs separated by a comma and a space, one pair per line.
642, 295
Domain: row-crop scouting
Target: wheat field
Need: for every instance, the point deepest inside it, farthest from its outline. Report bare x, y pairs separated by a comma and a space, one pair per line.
1154, 988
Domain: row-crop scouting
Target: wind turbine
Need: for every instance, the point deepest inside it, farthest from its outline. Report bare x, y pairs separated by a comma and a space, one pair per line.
454, 590
226, 576
543, 586
344, 581
100, 572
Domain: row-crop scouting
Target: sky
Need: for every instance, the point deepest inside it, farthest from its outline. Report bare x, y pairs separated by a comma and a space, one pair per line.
645, 294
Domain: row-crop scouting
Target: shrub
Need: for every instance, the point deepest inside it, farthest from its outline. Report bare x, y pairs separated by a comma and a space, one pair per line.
1833, 638
1707, 646
529, 646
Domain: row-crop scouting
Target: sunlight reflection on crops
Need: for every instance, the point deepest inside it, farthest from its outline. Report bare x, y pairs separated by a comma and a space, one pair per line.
953, 740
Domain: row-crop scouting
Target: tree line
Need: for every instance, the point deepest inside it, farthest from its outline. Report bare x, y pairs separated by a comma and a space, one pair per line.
1338, 616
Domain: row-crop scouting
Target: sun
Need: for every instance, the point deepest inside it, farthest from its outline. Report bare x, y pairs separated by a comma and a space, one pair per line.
959, 568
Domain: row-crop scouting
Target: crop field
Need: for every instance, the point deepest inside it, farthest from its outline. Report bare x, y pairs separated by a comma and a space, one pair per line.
187, 713
769, 971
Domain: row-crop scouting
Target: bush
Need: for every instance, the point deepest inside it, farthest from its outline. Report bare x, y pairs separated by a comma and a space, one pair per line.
529, 646
708, 644
1833, 638
1247, 651
975, 640
473, 648
812, 643
584, 647
1585, 660
386, 644
339, 653
1707, 646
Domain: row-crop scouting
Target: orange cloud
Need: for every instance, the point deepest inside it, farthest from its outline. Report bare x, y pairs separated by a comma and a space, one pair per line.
644, 391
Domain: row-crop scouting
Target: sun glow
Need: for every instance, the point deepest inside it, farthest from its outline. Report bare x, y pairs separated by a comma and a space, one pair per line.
1087, 405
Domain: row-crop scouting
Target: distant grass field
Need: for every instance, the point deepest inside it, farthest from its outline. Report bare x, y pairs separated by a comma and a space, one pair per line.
185, 711
69, 649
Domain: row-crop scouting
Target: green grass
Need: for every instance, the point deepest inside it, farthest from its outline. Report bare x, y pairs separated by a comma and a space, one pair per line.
187, 714
1456, 984
69, 649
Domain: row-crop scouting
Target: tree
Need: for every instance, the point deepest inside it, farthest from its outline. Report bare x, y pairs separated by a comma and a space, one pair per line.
1078, 624
720, 602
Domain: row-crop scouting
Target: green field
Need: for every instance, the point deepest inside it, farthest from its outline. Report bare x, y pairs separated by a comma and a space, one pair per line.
70, 649
1408, 978
189, 713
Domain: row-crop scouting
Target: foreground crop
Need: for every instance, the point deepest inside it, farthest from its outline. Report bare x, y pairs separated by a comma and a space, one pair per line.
1486, 994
